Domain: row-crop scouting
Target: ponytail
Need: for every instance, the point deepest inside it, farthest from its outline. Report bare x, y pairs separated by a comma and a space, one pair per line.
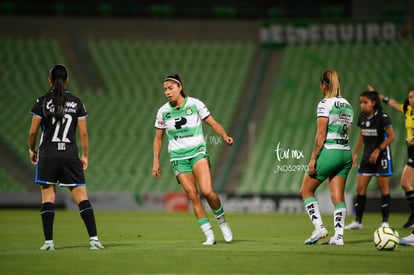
58, 75
332, 80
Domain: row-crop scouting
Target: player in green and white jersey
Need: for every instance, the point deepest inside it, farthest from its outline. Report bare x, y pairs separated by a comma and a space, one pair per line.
331, 158
181, 119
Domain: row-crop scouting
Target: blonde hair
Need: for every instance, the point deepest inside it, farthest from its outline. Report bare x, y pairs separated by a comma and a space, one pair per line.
333, 82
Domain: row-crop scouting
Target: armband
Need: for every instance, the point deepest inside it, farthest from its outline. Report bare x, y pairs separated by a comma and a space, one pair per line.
385, 99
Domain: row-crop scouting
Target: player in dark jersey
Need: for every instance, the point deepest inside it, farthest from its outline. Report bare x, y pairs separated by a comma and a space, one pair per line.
376, 135
407, 177
58, 113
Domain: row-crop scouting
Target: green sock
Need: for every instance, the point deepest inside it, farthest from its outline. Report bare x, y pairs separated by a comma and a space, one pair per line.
219, 214
203, 221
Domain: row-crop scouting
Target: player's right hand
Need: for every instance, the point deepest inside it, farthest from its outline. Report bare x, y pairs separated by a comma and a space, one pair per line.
156, 171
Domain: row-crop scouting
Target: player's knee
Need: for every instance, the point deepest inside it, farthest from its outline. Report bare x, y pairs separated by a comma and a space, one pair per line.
209, 194
194, 198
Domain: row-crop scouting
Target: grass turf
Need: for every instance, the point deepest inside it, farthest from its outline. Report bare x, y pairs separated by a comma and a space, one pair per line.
170, 243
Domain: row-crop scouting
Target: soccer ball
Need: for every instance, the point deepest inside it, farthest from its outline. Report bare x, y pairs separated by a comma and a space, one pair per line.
386, 238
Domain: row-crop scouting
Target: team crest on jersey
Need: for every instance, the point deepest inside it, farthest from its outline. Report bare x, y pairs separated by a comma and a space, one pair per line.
367, 123
188, 111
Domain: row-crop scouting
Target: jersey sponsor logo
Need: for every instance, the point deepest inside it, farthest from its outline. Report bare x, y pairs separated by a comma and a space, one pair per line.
369, 132
179, 122
339, 104
345, 116
70, 106
184, 136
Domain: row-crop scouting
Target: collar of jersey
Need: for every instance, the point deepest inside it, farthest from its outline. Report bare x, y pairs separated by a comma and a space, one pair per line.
185, 102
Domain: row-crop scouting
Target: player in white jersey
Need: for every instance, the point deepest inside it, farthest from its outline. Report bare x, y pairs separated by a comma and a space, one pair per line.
181, 119
331, 158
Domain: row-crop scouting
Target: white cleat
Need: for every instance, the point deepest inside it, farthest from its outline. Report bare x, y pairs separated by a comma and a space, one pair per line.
48, 246
96, 245
317, 234
209, 241
354, 226
385, 224
226, 231
335, 240
409, 240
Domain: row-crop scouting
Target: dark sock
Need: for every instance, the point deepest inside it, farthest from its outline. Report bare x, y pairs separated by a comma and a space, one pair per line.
360, 207
410, 198
86, 212
385, 207
47, 213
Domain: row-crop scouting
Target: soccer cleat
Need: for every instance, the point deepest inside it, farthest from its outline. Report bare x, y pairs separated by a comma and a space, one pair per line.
209, 241
96, 245
409, 240
354, 226
410, 222
335, 240
48, 246
385, 224
317, 234
226, 231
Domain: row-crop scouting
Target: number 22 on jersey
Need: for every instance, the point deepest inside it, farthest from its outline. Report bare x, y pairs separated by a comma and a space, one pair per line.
63, 139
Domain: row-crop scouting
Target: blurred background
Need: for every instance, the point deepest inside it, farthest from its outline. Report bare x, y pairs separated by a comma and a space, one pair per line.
255, 64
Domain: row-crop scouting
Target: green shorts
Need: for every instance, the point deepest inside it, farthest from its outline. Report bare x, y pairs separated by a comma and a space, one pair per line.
187, 165
333, 162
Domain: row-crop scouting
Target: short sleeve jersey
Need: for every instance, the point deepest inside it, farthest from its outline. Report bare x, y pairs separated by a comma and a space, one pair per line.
373, 130
340, 114
409, 121
59, 137
183, 127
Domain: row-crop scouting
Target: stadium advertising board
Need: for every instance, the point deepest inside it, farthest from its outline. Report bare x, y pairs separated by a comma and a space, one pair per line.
344, 32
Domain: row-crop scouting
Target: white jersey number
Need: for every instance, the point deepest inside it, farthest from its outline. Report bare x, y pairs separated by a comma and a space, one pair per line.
66, 122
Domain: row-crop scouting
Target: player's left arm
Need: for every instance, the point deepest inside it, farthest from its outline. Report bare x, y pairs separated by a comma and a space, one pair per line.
218, 129
84, 138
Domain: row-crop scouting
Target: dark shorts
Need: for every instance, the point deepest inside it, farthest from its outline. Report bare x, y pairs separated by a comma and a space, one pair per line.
382, 168
410, 153
68, 172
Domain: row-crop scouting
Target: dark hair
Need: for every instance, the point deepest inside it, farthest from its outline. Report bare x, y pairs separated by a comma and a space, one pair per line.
176, 78
373, 96
407, 102
58, 75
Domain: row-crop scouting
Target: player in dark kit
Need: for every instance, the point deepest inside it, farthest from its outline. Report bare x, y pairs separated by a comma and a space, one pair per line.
58, 113
376, 135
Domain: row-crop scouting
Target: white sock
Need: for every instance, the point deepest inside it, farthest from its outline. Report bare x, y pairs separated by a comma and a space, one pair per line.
339, 221
312, 208
207, 230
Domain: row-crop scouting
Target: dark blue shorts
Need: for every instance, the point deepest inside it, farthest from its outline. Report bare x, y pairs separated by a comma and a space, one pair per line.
66, 172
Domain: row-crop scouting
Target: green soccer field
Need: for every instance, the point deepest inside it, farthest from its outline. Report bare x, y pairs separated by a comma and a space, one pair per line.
170, 243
